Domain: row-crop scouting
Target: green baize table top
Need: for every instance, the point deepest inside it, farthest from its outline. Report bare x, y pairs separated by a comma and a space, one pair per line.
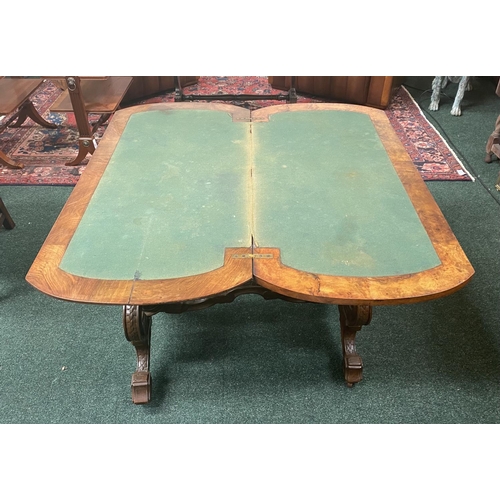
183, 185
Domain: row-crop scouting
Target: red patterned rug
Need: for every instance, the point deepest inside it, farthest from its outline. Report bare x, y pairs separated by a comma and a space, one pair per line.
44, 152
434, 159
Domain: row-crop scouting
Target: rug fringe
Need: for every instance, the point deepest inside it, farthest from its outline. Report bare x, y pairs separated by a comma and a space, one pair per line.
471, 177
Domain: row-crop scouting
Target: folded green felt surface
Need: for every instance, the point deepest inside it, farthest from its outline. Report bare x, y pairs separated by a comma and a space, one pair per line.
173, 197
183, 185
327, 195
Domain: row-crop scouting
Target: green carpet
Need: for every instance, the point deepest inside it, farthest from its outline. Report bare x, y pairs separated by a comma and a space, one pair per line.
254, 361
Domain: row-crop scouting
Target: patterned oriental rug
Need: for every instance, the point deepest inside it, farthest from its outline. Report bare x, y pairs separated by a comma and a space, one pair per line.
44, 152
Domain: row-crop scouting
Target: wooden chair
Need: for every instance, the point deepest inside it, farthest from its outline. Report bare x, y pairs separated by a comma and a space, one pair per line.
15, 103
5, 218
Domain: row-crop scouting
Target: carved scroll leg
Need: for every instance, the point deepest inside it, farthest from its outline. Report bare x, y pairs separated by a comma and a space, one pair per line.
352, 318
137, 326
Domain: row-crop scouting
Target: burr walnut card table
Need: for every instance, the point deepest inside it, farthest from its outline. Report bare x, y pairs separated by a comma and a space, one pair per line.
186, 205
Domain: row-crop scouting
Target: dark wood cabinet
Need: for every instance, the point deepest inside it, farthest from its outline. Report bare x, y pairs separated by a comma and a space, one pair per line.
143, 87
372, 91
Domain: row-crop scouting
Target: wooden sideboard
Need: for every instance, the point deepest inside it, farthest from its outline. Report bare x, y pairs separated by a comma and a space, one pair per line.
374, 91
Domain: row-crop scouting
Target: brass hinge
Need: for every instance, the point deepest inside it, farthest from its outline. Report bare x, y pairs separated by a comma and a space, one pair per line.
253, 256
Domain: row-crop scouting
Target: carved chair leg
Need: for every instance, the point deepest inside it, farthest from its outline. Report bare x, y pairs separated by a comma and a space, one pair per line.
352, 318
137, 326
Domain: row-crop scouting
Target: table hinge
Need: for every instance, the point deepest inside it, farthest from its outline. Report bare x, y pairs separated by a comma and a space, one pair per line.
253, 256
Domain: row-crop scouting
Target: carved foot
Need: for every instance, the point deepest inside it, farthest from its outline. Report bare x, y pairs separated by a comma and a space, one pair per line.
137, 326
85, 147
141, 387
352, 318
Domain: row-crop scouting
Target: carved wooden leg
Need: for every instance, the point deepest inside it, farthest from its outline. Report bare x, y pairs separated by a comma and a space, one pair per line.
352, 318
137, 326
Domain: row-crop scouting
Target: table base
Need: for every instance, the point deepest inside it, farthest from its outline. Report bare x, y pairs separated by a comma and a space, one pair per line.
137, 321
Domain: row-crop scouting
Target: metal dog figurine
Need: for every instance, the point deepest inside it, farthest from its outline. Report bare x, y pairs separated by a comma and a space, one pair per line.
440, 83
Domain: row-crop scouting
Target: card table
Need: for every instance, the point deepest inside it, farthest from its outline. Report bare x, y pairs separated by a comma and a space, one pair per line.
187, 205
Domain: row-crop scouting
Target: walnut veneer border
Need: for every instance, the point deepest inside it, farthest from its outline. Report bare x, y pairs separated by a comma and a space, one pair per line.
454, 272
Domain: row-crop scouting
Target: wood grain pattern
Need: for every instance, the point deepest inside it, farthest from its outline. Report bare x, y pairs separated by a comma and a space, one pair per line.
14, 91
453, 273
147, 86
46, 275
373, 91
99, 95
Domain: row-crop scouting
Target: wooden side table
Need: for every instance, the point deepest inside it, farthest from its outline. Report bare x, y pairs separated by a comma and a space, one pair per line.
15, 100
85, 95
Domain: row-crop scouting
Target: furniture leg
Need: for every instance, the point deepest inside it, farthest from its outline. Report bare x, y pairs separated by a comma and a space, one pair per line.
494, 138
101, 121
137, 326
352, 318
5, 218
86, 142
27, 110
86, 145
9, 163
292, 93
